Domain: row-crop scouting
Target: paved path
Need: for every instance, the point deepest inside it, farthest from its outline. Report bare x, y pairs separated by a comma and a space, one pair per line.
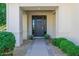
40, 48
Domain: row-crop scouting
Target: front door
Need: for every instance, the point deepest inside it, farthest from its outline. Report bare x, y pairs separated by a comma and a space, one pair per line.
38, 25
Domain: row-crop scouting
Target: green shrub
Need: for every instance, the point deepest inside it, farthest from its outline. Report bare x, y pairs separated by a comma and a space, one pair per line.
77, 49
47, 36
72, 50
2, 14
31, 37
54, 41
66, 46
57, 41
7, 42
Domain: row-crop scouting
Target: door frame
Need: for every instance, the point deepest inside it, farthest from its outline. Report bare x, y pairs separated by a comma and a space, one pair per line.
45, 22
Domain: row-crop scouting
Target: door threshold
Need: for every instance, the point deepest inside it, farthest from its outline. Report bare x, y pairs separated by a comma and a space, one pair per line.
39, 37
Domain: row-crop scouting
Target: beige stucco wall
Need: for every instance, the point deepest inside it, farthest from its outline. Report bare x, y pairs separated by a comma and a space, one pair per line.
13, 22
24, 19
75, 23
67, 21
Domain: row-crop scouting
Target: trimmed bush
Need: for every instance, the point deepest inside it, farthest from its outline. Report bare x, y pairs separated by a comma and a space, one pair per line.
65, 43
47, 36
54, 41
31, 37
72, 50
57, 41
2, 14
7, 42
66, 46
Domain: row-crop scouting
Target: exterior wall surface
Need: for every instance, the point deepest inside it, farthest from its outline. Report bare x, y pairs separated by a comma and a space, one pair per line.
24, 19
66, 21
13, 22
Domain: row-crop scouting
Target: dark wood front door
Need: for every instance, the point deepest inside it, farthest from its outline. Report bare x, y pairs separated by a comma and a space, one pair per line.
38, 25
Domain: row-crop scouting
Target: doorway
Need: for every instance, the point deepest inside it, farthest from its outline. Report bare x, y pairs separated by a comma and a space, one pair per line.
39, 25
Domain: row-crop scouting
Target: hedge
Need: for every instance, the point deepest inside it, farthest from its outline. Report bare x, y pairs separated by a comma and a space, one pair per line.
7, 42
2, 14
57, 41
66, 46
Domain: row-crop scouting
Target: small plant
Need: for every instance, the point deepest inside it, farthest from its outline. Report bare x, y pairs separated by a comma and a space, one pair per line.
7, 43
31, 37
47, 36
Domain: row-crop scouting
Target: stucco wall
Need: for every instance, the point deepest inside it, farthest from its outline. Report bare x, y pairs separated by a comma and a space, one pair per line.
67, 21
75, 23
64, 20
24, 19
13, 22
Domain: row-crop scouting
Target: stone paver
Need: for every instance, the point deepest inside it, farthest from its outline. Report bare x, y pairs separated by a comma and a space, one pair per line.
40, 48
21, 51
55, 51
37, 47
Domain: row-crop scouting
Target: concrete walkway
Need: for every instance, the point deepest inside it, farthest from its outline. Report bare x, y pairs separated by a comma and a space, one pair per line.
21, 51
40, 47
